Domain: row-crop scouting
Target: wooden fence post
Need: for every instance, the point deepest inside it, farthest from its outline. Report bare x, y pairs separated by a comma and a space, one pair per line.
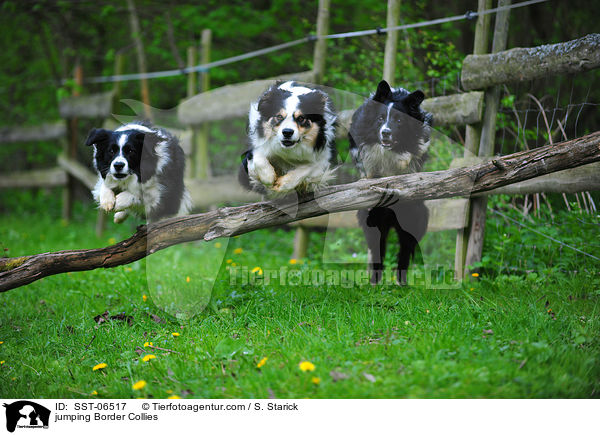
391, 42
486, 143
321, 44
192, 89
191, 78
101, 219
141, 56
301, 236
200, 161
205, 44
472, 132
70, 149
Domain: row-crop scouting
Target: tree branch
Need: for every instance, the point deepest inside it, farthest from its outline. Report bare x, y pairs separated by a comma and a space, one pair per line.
231, 221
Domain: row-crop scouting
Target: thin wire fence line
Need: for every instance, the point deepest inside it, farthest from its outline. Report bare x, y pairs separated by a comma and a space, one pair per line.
467, 16
198, 68
205, 67
544, 235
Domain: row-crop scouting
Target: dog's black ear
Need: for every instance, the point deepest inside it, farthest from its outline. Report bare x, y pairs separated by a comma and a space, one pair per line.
383, 91
269, 103
312, 103
97, 135
137, 139
415, 99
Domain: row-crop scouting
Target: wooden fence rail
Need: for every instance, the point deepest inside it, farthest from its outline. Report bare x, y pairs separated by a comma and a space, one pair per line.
47, 131
231, 101
523, 64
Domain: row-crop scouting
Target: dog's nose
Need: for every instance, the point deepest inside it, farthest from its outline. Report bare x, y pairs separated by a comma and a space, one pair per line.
119, 165
287, 133
386, 133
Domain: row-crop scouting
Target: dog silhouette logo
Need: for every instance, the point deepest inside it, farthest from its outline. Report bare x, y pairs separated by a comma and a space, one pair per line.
26, 414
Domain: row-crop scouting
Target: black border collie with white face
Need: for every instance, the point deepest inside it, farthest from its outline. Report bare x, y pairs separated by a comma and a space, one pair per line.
291, 131
389, 135
140, 171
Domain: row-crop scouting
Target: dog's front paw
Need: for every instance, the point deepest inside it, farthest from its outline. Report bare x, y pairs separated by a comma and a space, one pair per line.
266, 175
107, 200
124, 200
120, 217
285, 183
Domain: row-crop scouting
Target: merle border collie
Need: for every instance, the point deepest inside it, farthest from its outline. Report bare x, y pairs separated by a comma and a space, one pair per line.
140, 172
291, 132
389, 135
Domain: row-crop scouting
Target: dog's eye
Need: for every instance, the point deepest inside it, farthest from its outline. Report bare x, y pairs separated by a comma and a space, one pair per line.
380, 118
279, 118
300, 119
114, 149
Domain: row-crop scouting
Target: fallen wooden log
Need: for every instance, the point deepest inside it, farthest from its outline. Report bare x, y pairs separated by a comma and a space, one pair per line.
231, 221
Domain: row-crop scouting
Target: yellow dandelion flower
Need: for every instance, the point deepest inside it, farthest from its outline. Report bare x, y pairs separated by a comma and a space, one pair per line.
174, 396
148, 343
262, 362
94, 393
238, 250
99, 366
257, 270
148, 358
315, 380
293, 261
306, 366
144, 298
228, 261
128, 269
1, 342
139, 385
2, 362
218, 245
475, 275
112, 241
472, 289
233, 264
187, 279
175, 334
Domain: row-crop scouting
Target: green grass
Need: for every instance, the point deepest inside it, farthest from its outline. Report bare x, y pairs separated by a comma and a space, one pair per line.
492, 337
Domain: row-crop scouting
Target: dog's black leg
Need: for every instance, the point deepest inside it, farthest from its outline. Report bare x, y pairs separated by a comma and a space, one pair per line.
408, 245
243, 177
375, 225
411, 224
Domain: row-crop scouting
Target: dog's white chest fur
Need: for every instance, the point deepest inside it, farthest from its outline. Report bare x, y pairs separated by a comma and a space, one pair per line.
381, 162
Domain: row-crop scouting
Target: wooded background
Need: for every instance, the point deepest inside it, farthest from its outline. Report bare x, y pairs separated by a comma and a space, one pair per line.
42, 41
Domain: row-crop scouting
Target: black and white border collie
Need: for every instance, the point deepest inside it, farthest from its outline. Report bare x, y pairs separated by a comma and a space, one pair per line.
291, 133
140, 172
389, 135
